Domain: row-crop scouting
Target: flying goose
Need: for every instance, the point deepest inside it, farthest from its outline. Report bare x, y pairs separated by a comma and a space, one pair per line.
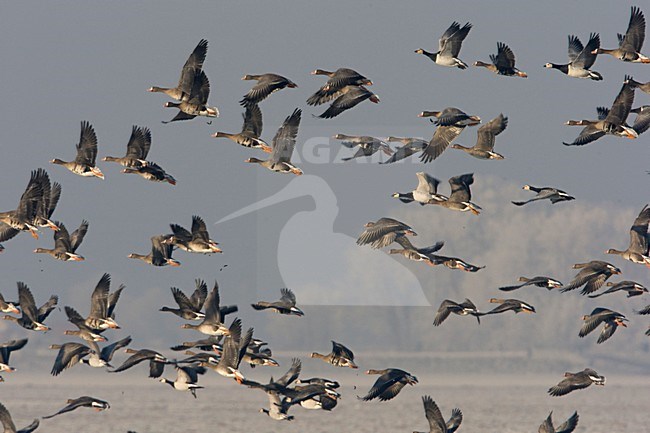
509, 305
283, 145
449, 46
8, 423
22, 218
424, 193
102, 305
234, 348
196, 241
460, 196
638, 251
266, 84
32, 318
65, 244
592, 275
189, 308
437, 423
581, 58
545, 282
69, 355
553, 194
160, 255
47, 204
383, 232
632, 288
195, 104
5, 351
151, 172
84, 331
338, 79
156, 361
350, 96
574, 381
610, 318
250, 131
367, 145
503, 63
137, 149
212, 323
567, 426
610, 121
340, 356
484, 147
286, 304
84, 401
464, 308
451, 122
630, 44
192, 64
388, 384
84, 163
453, 263
417, 254
186, 379
410, 146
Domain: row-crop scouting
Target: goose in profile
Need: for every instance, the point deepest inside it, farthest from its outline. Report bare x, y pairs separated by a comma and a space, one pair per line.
610, 121
630, 44
337, 80
367, 145
160, 255
212, 323
451, 122
417, 254
250, 131
196, 103
453, 263
186, 379
410, 146
5, 351
151, 172
383, 232
451, 116
156, 361
503, 63
286, 304
545, 282
8, 423
32, 318
278, 406
234, 348
69, 355
22, 218
83, 331
283, 145
592, 275
84, 401
632, 288
424, 193
193, 63
66, 244
484, 147
510, 305
388, 384
449, 46
437, 423
137, 149
189, 308
196, 241
611, 319
460, 196
567, 426
638, 251
464, 308
8, 307
581, 58
340, 356
48, 202
84, 163
574, 381
266, 84
350, 97
102, 305
553, 194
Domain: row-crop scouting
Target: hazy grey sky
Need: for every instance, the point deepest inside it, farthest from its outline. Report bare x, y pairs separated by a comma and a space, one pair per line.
65, 62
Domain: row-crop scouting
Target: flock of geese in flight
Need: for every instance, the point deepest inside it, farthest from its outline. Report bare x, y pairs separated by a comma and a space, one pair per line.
225, 346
